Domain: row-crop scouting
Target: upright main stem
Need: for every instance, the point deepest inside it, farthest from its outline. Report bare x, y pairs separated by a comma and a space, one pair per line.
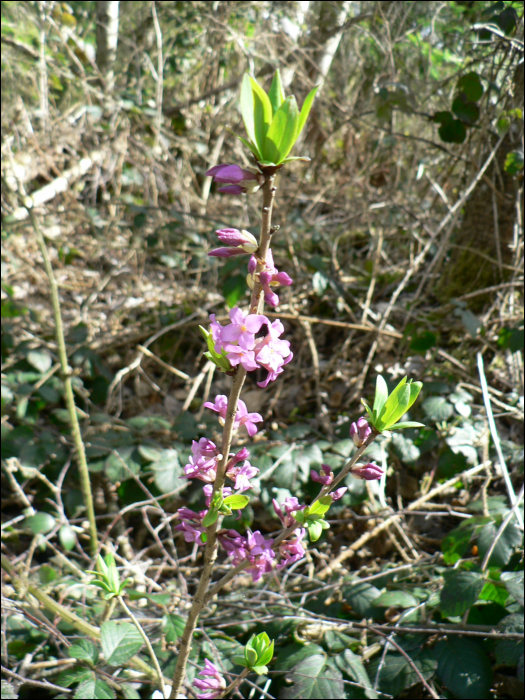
210, 550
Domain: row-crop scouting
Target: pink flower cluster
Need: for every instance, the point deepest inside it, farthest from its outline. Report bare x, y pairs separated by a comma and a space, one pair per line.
202, 465
214, 684
255, 548
242, 417
242, 242
242, 348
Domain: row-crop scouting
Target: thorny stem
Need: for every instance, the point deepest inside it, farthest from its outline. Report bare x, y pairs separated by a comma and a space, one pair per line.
210, 551
286, 533
70, 399
146, 642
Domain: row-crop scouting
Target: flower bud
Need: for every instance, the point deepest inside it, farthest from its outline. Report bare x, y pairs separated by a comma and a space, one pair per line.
360, 431
369, 471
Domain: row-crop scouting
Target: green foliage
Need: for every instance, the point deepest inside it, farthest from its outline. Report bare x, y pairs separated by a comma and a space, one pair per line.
389, 408
258, 652
110, 580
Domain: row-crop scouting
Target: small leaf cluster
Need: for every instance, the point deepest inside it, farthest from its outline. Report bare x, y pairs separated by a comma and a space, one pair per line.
312, 517
388, 409
257, 653
220, 360
273, 123
223, 506
110, 580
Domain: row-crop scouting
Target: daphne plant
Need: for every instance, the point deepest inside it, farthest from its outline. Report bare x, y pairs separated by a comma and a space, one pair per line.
250, 342
109, 577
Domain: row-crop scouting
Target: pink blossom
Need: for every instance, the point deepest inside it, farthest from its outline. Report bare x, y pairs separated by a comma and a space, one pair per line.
242, 329
241, 180
242, 416
255, 548
242, 475
360, 431
238, 356
292, 550
290, 505
326, 478
336, 495
272, 353
370, 471
243, 454
214, 685
270, 277
191, 524
203, 462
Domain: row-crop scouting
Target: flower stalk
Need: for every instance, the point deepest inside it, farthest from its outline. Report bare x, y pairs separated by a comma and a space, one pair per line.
210, 551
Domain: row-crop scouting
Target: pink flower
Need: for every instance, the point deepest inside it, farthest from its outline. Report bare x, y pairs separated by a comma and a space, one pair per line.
242, 416
191, 524
325, 479
271, 353
270, 277
237, 355
241, 242
214, 685
243, 454
292, 550
255, 548
242, 475
241, 180
203, 462
247, 419
336, 495
290, 505
242, 329
369, 471
360, 431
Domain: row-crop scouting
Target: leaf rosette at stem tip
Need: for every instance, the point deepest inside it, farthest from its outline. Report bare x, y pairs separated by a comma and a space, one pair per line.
272, 121
389, 408
258, 652
312, 517
110, 580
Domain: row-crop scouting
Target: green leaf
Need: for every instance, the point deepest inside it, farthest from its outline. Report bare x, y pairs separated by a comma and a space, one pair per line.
514, 162
307, 106
465, 110
509, 539
513, 581
397, 674
399, 599
453, 132
423, 342
313, 677
360, 596
395, 407
251, 656
391, 403
40, 359
40, 523
381, 396
167, 471
353, 666
252, 147
94, 689
260, 670
210, 517
470, 85
262, 115
237, 501
281, 134
315, 530
369, 411
455, 545
460, 592
67, 537
120, 641
438, 408
464, 668
247, 109
415, 388
240, 661
276, 92
83, 650
407, 424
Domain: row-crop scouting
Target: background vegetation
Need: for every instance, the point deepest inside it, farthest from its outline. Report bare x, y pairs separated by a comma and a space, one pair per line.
404, 238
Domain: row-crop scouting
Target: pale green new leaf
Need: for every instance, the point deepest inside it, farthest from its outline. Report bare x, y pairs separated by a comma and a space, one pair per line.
210, 517
260, 670
315, 530
369, 411
390, 405
276, 92
251, 147
381, 396
247, 110
236, 501
307, 106
407, 424
415, 388
262, 115
281, 138
398, 410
